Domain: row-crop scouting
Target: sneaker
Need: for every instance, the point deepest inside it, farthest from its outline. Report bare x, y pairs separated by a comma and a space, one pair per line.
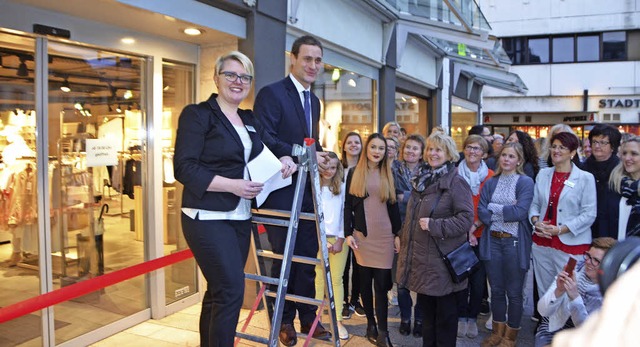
489, 323
342, 331
462, 328
472, 329
359, 310
346, 312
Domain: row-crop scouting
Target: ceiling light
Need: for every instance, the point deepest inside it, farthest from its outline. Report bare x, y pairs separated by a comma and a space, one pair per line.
119, 109
414, 101
169, 18
404, 99
128, 94
128, 40
65, 87
192, 31
335, 76
351, 82
166, 88
78, 106
22, 69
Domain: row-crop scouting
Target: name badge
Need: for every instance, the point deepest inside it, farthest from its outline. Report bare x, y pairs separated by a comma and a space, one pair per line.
569, 184
250, 128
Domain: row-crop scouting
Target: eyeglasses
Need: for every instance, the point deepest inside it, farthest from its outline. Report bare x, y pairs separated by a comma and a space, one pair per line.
592, 260
393, 148
559, 147
232, 77
473, 149
599, 143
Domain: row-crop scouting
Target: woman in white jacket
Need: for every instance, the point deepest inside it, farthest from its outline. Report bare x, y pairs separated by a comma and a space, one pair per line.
562, 211
573, 296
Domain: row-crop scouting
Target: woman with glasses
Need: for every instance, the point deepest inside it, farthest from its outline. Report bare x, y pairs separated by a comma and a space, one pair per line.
215, 140
563, 208
505, 246
573, 296
605, 141
476, 173
531, 166
625, 180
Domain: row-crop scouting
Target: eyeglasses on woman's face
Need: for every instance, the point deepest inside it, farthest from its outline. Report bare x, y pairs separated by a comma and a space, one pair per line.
232, 77
592, 260
471, 149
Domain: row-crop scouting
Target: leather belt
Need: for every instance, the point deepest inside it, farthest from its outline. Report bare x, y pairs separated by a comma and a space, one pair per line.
501, 234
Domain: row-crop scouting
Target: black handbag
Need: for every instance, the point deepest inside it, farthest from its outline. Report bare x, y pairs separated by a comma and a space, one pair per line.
462, 261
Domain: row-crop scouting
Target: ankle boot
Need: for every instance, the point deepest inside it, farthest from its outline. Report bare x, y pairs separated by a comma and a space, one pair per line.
509, 338
496, 334
383, 340
372, 333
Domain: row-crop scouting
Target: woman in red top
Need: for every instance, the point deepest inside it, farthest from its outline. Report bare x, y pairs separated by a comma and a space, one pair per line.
562, 211
475, 172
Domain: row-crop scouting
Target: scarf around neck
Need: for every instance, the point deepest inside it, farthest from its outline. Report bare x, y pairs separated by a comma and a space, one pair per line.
427, 175
473, 178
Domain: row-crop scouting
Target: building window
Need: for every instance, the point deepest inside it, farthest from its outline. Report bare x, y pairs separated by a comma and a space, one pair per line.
538, 51
614, 46
562, 49
588, 48
514, 46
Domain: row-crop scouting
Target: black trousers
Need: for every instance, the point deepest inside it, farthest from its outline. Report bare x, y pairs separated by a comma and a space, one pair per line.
302, 276
355, 279
220, 248
440, 320
381, 279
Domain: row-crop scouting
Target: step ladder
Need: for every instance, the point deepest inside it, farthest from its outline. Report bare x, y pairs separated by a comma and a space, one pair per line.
307, 164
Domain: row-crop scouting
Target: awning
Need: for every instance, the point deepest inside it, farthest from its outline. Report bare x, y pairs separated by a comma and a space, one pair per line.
494, 77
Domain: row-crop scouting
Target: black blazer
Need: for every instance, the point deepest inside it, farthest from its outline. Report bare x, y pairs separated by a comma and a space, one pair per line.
354, 214
279, 109
207, 145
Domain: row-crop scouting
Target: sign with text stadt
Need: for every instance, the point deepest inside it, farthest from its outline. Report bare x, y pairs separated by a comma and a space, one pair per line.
101, 152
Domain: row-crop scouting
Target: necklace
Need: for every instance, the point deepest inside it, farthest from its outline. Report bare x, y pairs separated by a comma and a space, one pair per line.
557, 183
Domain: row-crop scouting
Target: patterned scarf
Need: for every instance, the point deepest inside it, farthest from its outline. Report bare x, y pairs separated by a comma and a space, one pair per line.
473, 178
629, 189
427, 175
589, 291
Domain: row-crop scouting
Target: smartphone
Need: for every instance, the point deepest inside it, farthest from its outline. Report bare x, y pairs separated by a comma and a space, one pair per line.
571, 264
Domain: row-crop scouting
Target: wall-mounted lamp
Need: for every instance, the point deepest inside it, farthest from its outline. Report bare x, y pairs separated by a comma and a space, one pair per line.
22, 69
65, 87
335, 76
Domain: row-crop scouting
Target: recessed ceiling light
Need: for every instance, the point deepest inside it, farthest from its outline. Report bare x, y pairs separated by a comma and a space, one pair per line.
192, 31
128, 40
169, 18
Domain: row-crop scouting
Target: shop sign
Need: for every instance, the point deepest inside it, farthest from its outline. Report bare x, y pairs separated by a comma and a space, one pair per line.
619, 103
570, 119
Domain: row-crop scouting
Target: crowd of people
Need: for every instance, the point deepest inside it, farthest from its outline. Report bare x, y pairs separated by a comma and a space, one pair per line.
392, 202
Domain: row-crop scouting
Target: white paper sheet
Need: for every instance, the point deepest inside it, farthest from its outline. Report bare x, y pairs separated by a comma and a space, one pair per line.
265, 168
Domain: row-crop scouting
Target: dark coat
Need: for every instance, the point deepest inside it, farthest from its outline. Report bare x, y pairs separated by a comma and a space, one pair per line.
606, 223
207, 145
279, 109
514, 213
354, 214
420, 268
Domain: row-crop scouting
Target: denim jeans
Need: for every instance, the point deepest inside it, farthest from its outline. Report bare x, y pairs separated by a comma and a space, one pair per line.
405, 303
505, 277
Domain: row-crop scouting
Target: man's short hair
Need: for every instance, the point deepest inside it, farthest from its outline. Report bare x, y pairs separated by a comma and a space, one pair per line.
304, 40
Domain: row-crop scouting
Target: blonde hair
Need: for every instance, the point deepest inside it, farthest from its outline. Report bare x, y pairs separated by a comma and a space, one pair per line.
237, 56
615, 179
358, 185
519, 151
335, 183
386, 127
444, 141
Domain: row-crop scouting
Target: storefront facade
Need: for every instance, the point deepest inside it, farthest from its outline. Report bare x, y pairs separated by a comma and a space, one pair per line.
89, 119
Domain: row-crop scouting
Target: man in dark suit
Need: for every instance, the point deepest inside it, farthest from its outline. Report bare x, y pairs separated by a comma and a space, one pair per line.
290, 112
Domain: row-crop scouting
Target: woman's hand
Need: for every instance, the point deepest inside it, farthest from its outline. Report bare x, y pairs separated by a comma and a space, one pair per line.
545, 230
288, 166
571, 286
351, 242
424, 223
396, 244
246, 189
336, 247
473, 240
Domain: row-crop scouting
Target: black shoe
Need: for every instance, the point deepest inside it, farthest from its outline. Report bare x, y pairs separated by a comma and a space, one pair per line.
359, 310
346, 312
383, 340
372, 333
288, 335
485, 308
320, 333
417, 329
405, 328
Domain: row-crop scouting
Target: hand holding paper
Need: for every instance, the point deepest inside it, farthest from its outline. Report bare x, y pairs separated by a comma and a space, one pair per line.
266, 168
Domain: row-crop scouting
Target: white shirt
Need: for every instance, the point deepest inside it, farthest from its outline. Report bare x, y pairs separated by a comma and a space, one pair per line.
333, 207
625, 211
300, 90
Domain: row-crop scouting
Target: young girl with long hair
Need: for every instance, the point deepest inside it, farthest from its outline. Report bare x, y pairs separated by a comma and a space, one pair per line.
371, 223
332, 191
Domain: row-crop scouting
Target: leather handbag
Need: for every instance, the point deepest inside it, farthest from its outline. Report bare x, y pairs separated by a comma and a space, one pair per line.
462, 261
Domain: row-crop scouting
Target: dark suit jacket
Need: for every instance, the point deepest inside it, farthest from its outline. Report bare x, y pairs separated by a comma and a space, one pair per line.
279, 109
207, 145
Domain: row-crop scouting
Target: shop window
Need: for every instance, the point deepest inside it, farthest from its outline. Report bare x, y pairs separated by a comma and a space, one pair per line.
588, 48
348, 104
614, 45
538, 51
411, 113
562, 49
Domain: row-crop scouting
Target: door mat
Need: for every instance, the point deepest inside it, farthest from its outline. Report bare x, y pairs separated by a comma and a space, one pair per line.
23, 329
